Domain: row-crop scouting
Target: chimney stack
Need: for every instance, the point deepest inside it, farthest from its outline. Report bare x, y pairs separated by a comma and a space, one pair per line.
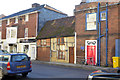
35, 5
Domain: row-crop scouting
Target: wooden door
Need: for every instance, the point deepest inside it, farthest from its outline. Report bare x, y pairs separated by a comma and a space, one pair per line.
71, 54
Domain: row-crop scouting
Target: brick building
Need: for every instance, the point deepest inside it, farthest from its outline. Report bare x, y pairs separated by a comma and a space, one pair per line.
87, 29
19, 30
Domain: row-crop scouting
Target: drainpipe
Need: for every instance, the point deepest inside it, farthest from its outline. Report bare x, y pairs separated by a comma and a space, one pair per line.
106, 34
98, 16
75, 49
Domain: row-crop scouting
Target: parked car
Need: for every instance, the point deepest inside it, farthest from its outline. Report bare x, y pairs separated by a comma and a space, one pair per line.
15, 63
106, 74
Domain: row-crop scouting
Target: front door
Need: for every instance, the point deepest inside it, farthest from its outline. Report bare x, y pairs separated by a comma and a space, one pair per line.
91, 55
91, 52
71, 54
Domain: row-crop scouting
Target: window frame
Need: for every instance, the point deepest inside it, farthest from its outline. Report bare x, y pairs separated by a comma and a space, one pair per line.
101, 15
60, 41
43, 42
87, 22
16, 20
26, 33
8, 21
27, 17
0, 23
61, 55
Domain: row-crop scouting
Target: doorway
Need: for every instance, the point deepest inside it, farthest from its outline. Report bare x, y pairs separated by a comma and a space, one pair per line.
71, 54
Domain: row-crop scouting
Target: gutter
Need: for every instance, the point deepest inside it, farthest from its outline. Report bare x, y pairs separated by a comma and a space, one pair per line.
96, 7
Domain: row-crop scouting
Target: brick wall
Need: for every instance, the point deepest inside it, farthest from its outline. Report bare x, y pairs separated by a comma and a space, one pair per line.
113, 30
31, 25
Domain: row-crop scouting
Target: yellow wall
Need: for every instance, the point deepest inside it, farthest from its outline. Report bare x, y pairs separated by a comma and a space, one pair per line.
68, 42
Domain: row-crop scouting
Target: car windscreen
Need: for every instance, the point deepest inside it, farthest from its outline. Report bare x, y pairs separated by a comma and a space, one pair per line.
4, 58
19, 58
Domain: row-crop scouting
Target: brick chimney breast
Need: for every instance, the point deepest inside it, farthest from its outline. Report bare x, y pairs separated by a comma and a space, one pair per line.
35, 5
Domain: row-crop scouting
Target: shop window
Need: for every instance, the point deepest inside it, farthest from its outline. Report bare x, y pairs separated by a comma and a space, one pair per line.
61, 55
103, 15
60, 41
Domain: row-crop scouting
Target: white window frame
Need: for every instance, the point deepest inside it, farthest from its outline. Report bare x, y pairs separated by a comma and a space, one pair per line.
16, 19
0, 23
101, 16
26, 33
8, 21
27, 17
0, 36
9, 37
91, 18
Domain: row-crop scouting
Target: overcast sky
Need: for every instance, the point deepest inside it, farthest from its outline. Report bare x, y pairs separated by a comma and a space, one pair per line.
8, 7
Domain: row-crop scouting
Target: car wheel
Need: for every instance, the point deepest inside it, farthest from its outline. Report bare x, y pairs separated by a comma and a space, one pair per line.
24, 74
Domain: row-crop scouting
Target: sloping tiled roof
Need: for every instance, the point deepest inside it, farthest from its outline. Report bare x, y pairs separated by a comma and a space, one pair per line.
32, 10
58, 28
24, 12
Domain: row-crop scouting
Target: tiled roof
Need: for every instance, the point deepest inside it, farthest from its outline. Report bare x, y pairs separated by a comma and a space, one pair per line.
32, 10
58, 28
24, 12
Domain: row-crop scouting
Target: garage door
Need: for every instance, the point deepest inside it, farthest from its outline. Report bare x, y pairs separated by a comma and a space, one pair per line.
43, 53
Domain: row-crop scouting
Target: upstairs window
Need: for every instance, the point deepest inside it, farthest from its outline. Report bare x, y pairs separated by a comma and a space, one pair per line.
0, 23
11, 32
8, 21
0, 36
103, 15
26, 17
60, 41
16, 20
91, 21
26, 32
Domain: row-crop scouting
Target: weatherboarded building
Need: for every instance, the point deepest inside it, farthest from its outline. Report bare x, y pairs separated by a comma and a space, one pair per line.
56, 41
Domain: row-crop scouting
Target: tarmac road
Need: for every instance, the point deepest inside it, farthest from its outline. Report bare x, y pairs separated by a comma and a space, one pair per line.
52, 72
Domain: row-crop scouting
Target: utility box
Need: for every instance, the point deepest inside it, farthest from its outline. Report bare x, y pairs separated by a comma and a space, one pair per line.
116, 62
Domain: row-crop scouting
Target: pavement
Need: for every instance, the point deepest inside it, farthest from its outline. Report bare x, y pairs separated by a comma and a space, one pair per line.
82, 66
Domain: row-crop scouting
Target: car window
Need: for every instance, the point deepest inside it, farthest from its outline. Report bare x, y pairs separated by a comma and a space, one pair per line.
4, 58
5, 51
16, 58
1, 51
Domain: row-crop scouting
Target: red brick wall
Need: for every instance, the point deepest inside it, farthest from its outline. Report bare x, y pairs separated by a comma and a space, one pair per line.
113, 29
31, 25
